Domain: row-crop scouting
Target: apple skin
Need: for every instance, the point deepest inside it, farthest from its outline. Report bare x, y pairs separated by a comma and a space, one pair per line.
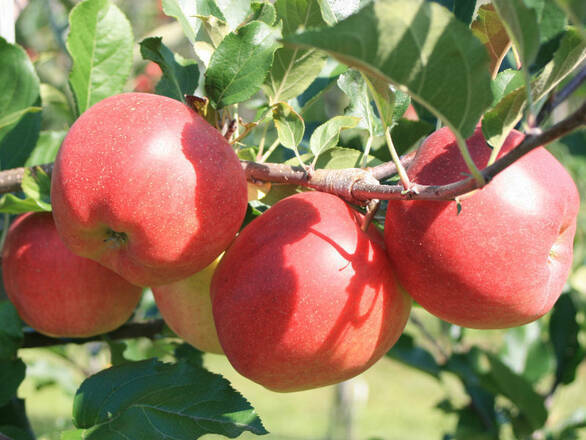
186, 307
145, 186
501, 262
55, 291
303, 298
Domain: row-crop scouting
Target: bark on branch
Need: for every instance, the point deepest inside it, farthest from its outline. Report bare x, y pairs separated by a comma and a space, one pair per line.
147, 329
361, 185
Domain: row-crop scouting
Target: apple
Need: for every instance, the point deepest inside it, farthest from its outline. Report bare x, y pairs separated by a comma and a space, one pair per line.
55, 291
303, 298
186, 307
504, 259
145, 186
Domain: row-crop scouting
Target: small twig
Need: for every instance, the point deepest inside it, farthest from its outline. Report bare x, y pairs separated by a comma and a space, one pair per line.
10, 180
148, 329
556, 99
358, 185
442, 352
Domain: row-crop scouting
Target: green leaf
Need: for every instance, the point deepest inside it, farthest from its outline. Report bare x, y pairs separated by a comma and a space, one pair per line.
13, 118
36, 185
18, 143
234, 11
19, 86
525, 353
151, 399
180, 76
326, 136
290, 126
46, 149
519, 391
240, 64
521, 24
15, 433
100, 42
384, 99
294, 69
185, 12
499, 121
406, 133
576, 10
215, 27
421, 48
75, 434
338, 158
12, 373
11, 204
13, 415
506, 82
563, 330
336, 10
490, 30
354, 86
264, 11
406, 352
10, 331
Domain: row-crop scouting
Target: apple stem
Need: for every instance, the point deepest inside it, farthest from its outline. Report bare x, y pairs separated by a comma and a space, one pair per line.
371, 210
397, 161
118, 239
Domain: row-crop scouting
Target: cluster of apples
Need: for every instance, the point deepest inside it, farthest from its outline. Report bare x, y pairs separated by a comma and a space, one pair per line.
146, 193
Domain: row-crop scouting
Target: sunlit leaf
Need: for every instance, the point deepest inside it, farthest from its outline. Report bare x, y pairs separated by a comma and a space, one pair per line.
499, 121
418, 46
290, 126
100, 42
240, 64
294, 69
326, 136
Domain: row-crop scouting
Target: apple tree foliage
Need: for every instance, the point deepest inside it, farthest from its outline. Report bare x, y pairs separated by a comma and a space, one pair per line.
316, 83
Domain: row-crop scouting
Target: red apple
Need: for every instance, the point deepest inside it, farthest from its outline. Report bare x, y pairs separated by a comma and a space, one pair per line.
504, 259
303, 298
145, 186
186, 307
55, 291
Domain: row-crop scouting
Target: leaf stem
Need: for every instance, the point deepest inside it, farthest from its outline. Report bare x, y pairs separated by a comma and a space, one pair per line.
261, 144
367, 151
270, 150
474, 171
397, 161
